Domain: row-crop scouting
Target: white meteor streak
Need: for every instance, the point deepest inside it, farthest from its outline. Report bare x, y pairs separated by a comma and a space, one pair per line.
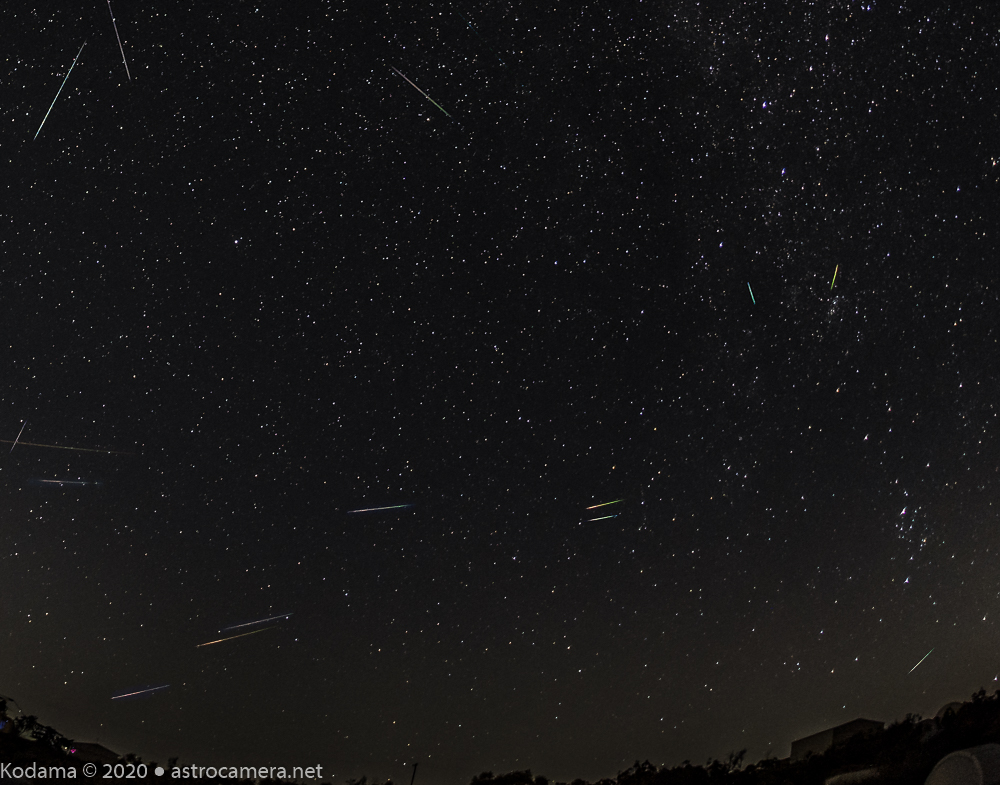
57, 95
140, 692
376, 509
18, 433
259, 621
61, 447
119, 40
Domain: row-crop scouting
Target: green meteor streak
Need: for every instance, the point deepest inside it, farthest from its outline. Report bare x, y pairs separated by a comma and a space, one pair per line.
752, 298
834, 276
605, 504
602, 518
928, 654
420, 91
60, 90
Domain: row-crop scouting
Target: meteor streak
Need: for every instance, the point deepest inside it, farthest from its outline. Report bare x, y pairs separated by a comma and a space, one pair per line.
139, 692
602, 518
420, 91
67, 482
605, 504
473, 29
18, 436
57, 94
928, 654
60, 447
834, 276
376, 509
119, 40
752, 298
259, 621
234, 637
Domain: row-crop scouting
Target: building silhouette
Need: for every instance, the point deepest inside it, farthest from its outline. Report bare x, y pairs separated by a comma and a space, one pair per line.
818, 743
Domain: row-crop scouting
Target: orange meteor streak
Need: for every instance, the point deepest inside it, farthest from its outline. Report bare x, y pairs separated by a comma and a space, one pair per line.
243, 635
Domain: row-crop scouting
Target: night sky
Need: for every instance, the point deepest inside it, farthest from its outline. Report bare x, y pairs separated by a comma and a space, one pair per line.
282, 285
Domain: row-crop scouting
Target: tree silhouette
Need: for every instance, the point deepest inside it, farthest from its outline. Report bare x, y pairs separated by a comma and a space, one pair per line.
513, 778
43, 733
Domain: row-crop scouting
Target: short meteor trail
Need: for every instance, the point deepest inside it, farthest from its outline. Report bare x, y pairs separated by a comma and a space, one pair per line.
140, 692
928, 654
119, 40
18, 436
251, 623
474, 30
752, 298
377, 509
420, 91
602, 518
57, 95
834, 277
60, 447
604, 504
234, 637
67, 482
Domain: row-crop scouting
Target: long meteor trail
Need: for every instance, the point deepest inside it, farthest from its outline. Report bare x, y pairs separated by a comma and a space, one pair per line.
251, 623
60, 447
234, 637
604, 504
139, 692
377, 509
120, 47
419, 90
18, 436
57, 94
928, 654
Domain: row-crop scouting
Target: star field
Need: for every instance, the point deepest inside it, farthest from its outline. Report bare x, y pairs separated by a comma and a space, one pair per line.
282, 285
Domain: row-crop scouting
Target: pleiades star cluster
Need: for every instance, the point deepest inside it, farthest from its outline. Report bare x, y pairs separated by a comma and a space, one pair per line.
496, 386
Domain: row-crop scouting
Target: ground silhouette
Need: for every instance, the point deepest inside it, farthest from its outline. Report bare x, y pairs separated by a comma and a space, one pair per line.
903, 754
